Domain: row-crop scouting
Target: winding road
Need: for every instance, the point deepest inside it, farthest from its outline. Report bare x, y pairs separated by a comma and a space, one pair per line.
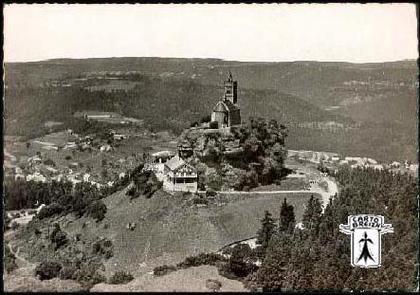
326, 195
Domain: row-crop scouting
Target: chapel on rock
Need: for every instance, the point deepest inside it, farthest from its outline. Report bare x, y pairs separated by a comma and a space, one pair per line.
227, 112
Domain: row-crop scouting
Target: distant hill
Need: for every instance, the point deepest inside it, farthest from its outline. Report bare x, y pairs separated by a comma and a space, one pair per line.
165, 102
170, 93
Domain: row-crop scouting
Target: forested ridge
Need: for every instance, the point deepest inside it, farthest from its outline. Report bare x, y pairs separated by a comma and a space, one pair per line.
171, 93
318, 257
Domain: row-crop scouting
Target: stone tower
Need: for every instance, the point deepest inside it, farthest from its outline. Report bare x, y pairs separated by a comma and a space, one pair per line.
227, 112
231, 90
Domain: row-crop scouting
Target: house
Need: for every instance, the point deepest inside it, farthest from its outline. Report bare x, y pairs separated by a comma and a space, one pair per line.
50, 148
19, 176
227, 112
86, 177
180, 176
36, 177
335, 159
105, 148
74, 165
70, 145
395, 164
413, 167
51, 170
34, 160
119, 136
377, 166
371, 161
159, 159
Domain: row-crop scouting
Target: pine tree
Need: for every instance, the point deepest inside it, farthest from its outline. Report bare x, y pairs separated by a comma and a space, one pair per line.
312, 216
287, 217
267, 229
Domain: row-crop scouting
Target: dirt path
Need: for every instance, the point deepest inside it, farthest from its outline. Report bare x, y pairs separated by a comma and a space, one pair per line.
20, 261
315, 189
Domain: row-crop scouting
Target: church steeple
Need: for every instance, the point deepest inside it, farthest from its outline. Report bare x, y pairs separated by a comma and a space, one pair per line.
231, 87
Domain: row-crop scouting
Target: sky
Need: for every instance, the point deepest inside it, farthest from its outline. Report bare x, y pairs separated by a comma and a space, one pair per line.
253, 32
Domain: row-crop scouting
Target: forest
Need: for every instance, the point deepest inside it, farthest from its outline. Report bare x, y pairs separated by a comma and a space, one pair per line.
318, 256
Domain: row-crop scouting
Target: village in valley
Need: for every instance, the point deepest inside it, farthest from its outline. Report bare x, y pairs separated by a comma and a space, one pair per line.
65, 155
210, 169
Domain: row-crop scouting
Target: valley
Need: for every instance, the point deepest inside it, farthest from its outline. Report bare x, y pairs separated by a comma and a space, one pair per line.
79, 133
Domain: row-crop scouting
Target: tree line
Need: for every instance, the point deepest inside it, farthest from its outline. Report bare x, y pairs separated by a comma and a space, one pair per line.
318, 255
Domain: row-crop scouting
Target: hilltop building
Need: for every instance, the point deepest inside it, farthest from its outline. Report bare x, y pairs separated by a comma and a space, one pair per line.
158, 160
227, 112
179, 176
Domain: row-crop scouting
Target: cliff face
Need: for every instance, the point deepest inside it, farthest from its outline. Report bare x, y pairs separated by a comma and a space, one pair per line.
209, 141
241, 157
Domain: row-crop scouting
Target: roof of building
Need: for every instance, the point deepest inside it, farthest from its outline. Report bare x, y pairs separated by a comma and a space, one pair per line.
175, 163
225, 106
163, 154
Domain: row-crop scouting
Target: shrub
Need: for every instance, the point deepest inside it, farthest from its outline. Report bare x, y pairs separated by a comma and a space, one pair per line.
120, 277
238, 265
103, 248
50, 210
200, 200
202, 259
214, 125
164, 270
210, 192
14, 225
58, 237
9, 260
68, 157
132, 192
49, 162
88, 275
227, 251
97, 210
7, 220
213, 285
68, 272
47, 270
37, 231
205, 119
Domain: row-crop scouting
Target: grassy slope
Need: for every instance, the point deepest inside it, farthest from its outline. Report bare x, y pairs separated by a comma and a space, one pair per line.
186, 280
168, 230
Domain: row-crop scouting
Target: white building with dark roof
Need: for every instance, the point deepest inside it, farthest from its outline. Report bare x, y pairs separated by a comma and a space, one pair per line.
180, 176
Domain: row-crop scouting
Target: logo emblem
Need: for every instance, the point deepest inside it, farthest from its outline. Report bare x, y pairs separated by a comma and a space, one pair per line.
366, 231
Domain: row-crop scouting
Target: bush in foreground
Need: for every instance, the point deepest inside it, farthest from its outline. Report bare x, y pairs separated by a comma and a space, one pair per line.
47, 270
50, 210
88, 275
202, 259
97, 210
9, 260
121, 277
58, 237
68, 273
103, 248
164, 270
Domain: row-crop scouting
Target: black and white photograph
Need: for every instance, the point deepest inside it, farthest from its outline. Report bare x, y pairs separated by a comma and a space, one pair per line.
210, 147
